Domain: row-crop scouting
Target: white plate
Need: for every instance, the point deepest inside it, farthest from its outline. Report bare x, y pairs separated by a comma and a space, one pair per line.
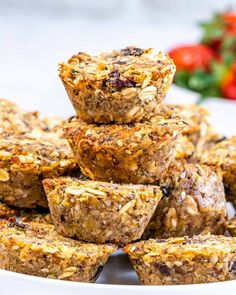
12, 283
117, 276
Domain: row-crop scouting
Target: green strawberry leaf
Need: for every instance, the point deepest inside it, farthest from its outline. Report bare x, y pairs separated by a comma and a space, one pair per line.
200, 80
212, 30
218, 71
228, 58
228, 43
181, 78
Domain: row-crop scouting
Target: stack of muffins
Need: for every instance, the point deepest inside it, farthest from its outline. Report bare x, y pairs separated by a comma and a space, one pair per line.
123, 140
143, 176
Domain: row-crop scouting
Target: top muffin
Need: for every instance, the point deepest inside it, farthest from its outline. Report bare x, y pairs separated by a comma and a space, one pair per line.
121, 86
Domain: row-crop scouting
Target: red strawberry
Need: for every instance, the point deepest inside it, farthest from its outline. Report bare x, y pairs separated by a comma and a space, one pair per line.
192, 57
228, 84
229, 90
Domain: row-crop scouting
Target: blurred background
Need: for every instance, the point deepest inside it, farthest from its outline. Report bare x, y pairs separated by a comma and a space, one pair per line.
35, 35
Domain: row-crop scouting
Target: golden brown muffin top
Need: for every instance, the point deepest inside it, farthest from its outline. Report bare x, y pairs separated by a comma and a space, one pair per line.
118, 69
190, 246
222, 155
43, 237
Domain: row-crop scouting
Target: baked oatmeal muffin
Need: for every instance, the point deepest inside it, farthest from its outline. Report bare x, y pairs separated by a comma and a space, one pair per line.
231, 226
197, 119
193, 203
36, 249
53, 125
132, 153
206, 143
121, 86
198, 135
14, 121
223, 156
184, 260
39, 215
7, 211
185, 149
100, 212
24, 163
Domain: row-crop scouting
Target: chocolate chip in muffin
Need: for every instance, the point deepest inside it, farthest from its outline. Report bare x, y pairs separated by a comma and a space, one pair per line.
164, 269
132, 51
165, 191
232, 267
115, 81
17, 225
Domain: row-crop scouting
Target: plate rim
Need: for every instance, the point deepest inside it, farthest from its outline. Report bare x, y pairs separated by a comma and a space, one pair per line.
116, 286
